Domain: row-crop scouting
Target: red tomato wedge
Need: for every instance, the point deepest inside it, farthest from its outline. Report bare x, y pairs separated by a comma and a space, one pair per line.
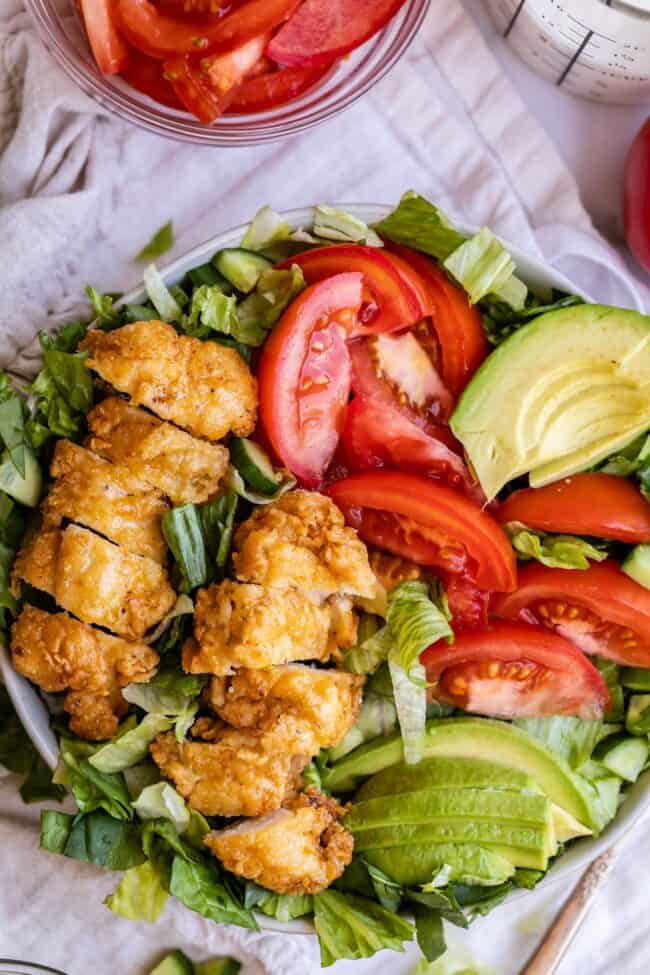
162, 36
636, 197
304, 376
599, 609
427, 523
585, 504
512, 670
378, 435
205, 87
109, 49
147, 75
397, 370
264, 92
467, 604
455, 324
390, 301
322, 30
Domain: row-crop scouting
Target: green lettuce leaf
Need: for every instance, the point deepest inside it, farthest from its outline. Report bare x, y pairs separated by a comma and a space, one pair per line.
140, 895
415, 621
91, 788
130, 748
18, 755
333, 224
421, 225
349, 926
377, 717
182, 607
633, 460
160, 296
199, 886
500, 319
571, 738
429, 932
218, 524
13, 414
282, 907
387, 891
63, 390
554, 551
170, 693
372, 647
162, 801
266, 228
409, 692
261, 309
483, 266
235, 482
160, 243
213, 311
102, 306
94, 838
184, 534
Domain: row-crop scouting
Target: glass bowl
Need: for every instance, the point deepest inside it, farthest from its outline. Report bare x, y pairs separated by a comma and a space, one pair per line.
60, 27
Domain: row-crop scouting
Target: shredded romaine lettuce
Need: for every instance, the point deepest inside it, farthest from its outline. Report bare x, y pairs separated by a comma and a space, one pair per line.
633, 460
140, 895
160, 243
162, 801
266, 228
554, 551
160, 296
483, 266
333, 224
261, 309
350, 926
132, 747
419, 224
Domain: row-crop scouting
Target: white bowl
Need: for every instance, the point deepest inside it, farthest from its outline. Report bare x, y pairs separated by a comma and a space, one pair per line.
33, 712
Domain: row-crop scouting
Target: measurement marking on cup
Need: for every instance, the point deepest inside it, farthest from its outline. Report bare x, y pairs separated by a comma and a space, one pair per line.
573, 60
513, 19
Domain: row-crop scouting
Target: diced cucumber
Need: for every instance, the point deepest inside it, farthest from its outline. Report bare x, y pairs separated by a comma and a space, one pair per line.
636, 678
25, 489
254, 465
175, 963
637, 720
623, 756
241, 267
637, 565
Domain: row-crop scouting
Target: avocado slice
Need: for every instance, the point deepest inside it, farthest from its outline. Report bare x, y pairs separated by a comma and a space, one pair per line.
446, 773
558, 396
476, 738
637, 565
566, 826
469, 864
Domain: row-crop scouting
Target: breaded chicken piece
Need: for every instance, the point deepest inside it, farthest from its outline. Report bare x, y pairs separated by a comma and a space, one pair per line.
237, 772
203, 387
328, 700
61, 654
241, 625
300, 849
301, 540
391, 570
105, 498
96, 581
183, 468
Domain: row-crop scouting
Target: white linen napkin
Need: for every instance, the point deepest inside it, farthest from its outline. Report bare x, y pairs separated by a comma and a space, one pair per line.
79, 195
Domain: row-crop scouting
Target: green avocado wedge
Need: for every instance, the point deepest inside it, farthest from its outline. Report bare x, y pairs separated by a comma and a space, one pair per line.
557, 397
476, 738
468, 864
446, 773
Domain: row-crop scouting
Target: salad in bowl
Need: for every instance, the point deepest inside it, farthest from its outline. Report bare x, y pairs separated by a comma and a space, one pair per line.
330, 559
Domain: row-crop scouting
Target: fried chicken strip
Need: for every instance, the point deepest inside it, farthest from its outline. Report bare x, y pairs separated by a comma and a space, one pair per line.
61, 654
96, 581
300, 849
203, 387
105, 498
181, 467
327, 700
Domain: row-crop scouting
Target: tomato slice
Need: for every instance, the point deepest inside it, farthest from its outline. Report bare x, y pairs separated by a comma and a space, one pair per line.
162, 36
274, 88
511, 670
322, 30
109, 49
428, 523
636, 196
390, 302
206, 87
455, 324
585, 504
147, 75
467, 604
397, 370
378, 435
599, 609
304, 376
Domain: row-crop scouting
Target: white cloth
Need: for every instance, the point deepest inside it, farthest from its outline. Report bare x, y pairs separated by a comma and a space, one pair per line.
79, 195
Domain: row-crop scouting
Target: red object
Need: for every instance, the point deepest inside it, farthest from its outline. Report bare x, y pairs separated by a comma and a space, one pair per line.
391, 302
378, 435
585, 504
165, 37
599, 609
109, 49
636, 197
455, 323
467, 604
511, 670
205, 86
264, 92
304, 376
322, 30
428, 523
147, 75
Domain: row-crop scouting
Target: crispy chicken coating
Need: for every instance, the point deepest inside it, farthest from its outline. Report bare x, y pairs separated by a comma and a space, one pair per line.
237, 772
159, 454
61, 654
327, 700
301, 540
300, 849
242, 625
391, 570
105, 498
95, 580
203, 387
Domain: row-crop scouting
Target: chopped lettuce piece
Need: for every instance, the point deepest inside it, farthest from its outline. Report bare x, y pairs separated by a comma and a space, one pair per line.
349, 926
160, 296
162, 801
103, 307
184, 534
160, 243
429, 932
212, 311
94, 838
371, 649
333, 224
199, 886
235, 482
282, 907
377, 717
13, 414
555, 551
261, 309
91, 788
266, 228
63, 389
500, 319
415, 621
171, 694
140, 895
634, 459
483, 266
571, 738
387, 891
130, 748
409, 691
218, 522
182, 607
419, 224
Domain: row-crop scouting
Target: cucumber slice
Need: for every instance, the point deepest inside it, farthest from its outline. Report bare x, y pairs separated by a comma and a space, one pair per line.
637, 565
254, 465
25, 489
636, 678
241, 267
208, 274
623, 756
637, 720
